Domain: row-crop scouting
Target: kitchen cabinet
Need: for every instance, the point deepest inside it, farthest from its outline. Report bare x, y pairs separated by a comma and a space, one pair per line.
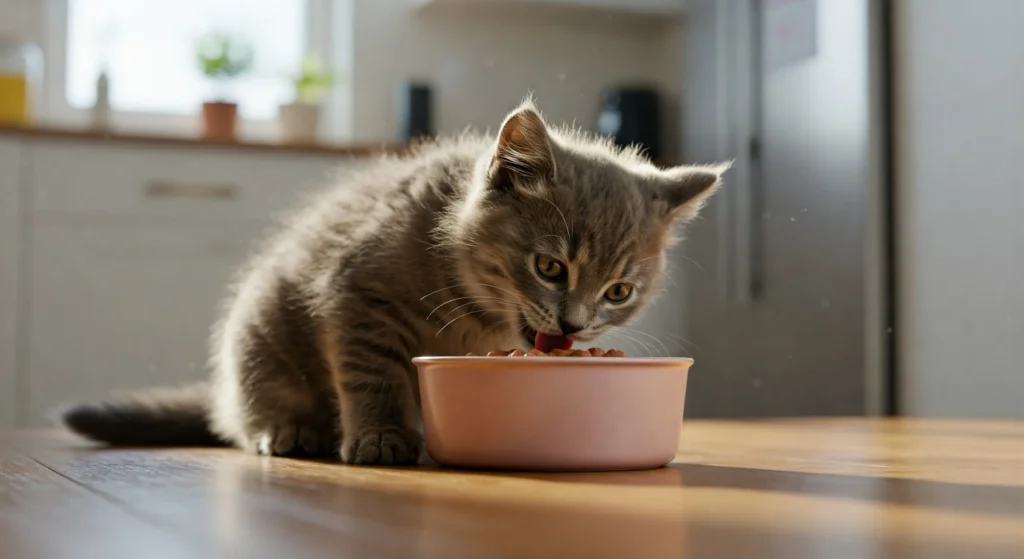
126, 251
144, 183
124, 304
10, 175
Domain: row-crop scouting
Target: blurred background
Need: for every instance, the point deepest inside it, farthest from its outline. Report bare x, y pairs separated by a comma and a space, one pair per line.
865, 257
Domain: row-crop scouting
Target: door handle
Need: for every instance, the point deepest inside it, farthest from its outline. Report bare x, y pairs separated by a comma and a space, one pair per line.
173, 189
755, 248
743, 234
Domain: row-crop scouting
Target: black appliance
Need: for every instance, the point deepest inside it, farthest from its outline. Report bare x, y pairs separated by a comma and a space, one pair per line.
631, 115
415, 112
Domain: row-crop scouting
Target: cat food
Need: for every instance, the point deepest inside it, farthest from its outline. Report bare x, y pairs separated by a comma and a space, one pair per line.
592, 352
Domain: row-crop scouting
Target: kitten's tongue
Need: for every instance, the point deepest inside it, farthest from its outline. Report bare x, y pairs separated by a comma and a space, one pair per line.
547, 342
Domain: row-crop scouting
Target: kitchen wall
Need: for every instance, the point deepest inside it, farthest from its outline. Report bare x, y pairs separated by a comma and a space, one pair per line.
22, 19
960, 197
483, 60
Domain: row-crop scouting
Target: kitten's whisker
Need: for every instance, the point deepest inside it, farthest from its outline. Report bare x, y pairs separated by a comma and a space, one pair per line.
456, 286
447, 314
544, 237
695, 263
614, 337
678, 342
684, 344
652, 349
635, 343
564, 221
474, 298
495, 325
516, 295
522, 328
445, 303
684, 257
456, 318
440, 290
447, 287
655, 338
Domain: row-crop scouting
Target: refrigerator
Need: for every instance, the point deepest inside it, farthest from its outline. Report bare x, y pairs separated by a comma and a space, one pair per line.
789, 284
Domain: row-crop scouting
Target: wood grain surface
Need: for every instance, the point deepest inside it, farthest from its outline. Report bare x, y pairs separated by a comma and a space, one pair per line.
784, 488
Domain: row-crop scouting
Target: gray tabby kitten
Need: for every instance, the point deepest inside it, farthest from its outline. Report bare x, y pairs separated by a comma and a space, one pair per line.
467, 245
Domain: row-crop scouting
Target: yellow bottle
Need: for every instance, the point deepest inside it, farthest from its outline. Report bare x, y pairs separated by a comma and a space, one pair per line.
13, 99
20, 67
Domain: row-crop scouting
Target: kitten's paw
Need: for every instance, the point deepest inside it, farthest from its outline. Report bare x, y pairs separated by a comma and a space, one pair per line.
385, 446
296, 439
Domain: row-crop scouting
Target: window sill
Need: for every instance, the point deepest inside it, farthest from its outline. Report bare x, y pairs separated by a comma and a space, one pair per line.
70, 133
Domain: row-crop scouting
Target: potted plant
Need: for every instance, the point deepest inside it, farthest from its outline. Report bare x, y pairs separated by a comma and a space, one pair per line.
299, 121
222, 59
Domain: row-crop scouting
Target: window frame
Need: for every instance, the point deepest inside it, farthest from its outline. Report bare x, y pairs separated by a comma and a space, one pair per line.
328, 34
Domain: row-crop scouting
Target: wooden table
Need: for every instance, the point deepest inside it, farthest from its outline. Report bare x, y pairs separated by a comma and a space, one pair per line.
792, 489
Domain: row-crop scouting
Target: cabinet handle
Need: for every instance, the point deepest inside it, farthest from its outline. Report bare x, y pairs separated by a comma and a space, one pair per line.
169, 189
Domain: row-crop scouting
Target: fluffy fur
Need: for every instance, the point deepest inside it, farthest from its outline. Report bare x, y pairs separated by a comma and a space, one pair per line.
433, 253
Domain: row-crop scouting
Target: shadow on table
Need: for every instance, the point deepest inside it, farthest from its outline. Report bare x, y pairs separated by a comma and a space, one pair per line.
991, 499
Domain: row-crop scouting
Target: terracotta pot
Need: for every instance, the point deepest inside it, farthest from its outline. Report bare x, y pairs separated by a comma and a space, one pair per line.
299, 123
220, 121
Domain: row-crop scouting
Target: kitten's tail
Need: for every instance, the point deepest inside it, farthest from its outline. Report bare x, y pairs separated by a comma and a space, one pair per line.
158, 417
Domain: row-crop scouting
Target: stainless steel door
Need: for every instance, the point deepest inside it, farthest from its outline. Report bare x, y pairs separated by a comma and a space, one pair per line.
784, 307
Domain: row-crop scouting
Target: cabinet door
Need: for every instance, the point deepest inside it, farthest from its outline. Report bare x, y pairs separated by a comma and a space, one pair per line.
142, 182
122, 303
10, 164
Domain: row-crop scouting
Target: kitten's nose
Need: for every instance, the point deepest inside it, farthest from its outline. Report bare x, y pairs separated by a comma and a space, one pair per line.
568, 327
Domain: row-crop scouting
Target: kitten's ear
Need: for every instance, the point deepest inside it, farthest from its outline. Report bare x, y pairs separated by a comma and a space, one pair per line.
523, 158
685, 189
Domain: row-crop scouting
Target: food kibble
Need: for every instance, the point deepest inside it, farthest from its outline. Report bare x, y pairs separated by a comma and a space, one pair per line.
592, 352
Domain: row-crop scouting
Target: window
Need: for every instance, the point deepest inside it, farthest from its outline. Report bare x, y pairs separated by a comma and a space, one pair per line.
149, 51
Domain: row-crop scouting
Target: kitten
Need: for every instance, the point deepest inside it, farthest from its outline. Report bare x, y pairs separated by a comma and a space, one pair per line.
466, 245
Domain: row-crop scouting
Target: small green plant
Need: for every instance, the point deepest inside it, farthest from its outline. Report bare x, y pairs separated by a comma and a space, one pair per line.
222, 58
312, 81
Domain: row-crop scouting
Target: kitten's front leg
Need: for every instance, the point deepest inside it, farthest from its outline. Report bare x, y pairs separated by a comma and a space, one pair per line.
379, 413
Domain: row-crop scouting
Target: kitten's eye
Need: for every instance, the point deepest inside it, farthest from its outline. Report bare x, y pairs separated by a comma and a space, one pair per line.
550, 269
619, 293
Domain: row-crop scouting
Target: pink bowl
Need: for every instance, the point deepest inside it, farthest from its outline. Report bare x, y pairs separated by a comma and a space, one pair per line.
552, 413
